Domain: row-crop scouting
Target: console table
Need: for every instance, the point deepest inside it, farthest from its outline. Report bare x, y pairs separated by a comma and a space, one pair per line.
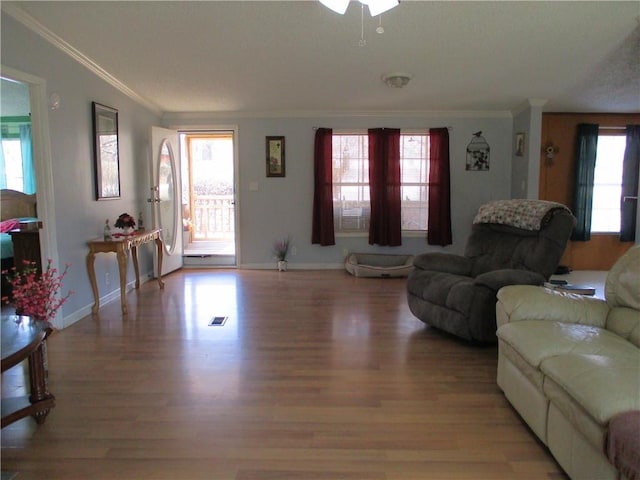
121, 247
24, 340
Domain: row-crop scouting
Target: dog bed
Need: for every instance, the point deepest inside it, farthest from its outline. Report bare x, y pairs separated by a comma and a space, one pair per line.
378, 265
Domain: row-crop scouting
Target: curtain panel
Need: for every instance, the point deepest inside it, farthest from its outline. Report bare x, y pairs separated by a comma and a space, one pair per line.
322, 225
385, 226
439, 214
630, 172
586, 149
28, 170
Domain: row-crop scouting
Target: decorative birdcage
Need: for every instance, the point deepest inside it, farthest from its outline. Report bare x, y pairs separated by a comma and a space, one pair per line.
478, 152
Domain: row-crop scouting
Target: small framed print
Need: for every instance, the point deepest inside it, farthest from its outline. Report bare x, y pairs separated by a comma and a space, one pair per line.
275, 157
520, 144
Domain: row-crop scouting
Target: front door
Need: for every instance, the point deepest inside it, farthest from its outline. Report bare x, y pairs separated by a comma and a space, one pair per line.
165, 196
208, 194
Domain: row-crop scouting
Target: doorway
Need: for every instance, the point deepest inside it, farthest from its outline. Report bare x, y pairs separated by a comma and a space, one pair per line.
208, 197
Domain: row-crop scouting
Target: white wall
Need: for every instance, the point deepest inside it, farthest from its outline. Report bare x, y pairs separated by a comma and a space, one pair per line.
78, 216
525, 176
281, 206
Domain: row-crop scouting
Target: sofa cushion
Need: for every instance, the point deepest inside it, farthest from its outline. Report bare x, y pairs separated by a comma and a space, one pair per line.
536, 340
443, 289
601, 385
626, 323
622, 287
533, 373
526, 302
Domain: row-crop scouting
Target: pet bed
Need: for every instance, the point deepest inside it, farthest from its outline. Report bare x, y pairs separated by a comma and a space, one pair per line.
378, 265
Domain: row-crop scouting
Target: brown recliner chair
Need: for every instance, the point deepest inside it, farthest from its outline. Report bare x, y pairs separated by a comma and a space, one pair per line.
513, 242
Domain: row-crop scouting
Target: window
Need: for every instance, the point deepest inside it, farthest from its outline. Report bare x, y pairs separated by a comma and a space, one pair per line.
350, 161
13, 163
16, 161
607, 184
414, 171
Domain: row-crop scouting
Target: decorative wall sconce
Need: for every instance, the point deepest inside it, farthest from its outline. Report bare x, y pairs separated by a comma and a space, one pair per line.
550, 151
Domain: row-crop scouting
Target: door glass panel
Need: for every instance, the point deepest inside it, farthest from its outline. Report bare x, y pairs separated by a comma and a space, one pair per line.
167, 189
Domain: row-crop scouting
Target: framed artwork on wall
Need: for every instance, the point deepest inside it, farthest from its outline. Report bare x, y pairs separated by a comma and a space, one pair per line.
275, 157
105, 152
520, 144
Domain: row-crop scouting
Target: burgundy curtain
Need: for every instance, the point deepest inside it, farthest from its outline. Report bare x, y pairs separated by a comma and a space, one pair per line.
439, 216
384, 186
322, 230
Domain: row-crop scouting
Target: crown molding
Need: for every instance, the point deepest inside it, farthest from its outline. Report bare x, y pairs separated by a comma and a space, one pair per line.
174, 117
527, 104
32, 24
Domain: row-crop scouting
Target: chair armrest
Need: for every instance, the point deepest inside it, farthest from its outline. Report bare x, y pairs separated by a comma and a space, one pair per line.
526, 302
497, 279
443, 262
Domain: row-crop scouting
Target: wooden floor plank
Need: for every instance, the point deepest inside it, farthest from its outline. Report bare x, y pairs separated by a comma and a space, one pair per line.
314, 375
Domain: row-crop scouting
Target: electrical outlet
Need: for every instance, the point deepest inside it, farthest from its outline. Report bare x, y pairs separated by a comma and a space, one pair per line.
345, 252
294, 250
106, 279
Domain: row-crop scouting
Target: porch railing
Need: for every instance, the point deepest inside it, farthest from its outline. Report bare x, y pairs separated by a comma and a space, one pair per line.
213, 217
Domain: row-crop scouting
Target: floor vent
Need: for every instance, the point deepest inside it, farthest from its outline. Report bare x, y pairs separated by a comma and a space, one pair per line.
217, 321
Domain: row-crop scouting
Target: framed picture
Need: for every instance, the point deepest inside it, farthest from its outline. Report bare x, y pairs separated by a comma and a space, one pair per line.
520, 144
105, 152
275, 157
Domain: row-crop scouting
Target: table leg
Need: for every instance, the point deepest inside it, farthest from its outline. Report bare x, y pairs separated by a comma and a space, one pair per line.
38, 384
92, 279
160, 248
122, 267
134, 256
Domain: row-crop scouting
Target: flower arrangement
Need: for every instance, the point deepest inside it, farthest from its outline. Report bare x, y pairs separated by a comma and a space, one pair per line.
281, 248
125, 221
36, 295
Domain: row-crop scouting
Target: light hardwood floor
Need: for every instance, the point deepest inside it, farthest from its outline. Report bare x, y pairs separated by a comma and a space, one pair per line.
315, 375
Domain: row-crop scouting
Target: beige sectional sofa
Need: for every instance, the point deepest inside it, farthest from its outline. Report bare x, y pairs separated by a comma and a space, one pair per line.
570, 364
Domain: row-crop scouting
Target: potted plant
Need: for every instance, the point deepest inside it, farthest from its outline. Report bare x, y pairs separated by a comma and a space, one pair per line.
126, 222
281, 249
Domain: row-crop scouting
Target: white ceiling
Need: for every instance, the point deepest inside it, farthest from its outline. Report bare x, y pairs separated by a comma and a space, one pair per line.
298, 56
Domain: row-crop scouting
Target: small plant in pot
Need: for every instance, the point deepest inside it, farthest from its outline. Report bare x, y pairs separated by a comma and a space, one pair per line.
281, 249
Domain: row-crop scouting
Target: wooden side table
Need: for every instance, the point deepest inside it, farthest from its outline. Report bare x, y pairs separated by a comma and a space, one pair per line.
24, 340
121, 247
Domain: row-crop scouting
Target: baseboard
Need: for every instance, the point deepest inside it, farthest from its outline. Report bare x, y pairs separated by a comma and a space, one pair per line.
114, 295
292, 266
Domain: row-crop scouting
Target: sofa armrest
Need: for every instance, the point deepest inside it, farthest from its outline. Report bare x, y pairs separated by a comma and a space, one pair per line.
497, 279
526, 302
443, 262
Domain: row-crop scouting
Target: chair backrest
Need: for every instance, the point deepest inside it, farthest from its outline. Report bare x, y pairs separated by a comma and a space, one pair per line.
496, 244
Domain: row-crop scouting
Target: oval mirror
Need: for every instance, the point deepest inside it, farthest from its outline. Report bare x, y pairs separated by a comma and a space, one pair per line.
168, 212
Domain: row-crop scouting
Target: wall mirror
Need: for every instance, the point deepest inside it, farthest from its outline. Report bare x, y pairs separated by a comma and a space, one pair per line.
105, 150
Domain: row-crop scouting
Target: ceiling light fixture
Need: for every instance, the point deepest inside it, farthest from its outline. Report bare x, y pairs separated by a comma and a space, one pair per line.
396, 80
376, 7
